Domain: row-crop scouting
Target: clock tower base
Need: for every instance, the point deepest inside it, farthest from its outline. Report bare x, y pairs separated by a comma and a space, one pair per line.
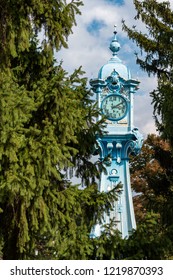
114, 151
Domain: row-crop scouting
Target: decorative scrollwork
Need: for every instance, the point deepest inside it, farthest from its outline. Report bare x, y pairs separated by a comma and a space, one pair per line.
134, 146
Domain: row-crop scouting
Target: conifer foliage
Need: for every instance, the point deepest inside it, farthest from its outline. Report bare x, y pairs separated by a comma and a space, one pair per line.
156, 45
19, 20
47, 126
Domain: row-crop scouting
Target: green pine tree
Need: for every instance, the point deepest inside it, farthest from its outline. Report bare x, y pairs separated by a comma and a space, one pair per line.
47, 127
157, 48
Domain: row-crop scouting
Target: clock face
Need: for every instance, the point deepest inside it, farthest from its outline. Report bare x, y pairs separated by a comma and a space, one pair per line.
114, 107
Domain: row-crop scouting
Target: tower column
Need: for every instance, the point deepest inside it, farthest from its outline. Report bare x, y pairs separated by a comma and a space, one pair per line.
115, 90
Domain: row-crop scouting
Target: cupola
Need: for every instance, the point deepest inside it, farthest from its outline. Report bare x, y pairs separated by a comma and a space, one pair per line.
114, 63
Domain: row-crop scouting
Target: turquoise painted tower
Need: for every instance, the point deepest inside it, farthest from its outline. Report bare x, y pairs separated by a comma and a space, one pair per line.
115, 91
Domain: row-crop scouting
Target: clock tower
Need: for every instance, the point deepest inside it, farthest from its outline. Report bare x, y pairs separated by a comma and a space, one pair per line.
115, 91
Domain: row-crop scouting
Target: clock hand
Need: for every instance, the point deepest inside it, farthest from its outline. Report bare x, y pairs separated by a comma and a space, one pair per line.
117, 105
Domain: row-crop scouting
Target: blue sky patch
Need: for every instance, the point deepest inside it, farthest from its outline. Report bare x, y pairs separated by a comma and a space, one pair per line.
116, 2
95, 26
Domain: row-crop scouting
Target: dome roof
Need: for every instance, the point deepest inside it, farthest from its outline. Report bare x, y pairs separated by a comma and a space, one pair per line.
114, 64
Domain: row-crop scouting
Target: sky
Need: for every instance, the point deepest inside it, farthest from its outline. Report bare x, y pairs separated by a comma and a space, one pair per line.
89, 46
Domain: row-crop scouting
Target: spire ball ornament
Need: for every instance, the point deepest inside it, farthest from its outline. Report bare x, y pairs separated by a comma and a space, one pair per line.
115, 45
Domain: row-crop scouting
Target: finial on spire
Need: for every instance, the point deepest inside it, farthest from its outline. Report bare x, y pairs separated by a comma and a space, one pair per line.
114, 45
115, 29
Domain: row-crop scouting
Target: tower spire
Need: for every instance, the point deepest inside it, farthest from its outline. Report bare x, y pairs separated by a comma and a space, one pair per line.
115, 45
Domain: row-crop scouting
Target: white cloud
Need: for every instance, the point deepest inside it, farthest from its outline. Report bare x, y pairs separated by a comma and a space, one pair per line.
93, 51
143, 114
